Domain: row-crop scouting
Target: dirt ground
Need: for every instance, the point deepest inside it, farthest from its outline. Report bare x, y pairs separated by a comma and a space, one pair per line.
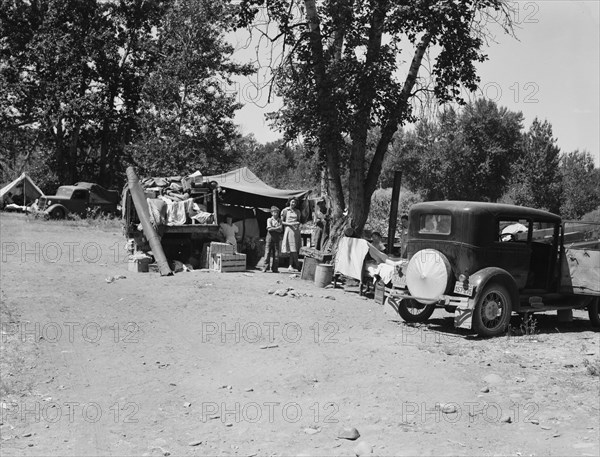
204, 363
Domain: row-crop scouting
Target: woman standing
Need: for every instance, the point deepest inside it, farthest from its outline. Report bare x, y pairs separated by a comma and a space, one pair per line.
290, 218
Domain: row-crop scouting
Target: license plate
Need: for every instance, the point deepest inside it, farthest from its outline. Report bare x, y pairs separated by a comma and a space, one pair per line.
399, 281
459, 289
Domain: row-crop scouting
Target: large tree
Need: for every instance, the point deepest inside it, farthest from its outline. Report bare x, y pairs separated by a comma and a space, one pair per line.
70, 70
349, 66
92, 85
463, 154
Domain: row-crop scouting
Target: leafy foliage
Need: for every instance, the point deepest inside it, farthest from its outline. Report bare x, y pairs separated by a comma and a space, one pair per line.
91, 85
536, 179
186, 119
281, 165
463, 155
381, 201
581, 184
70, 71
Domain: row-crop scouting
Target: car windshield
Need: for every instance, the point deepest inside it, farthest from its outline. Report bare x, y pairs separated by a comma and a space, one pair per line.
435, 223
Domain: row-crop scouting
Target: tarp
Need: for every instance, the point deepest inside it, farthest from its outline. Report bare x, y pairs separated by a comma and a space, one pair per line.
22, 186
242, 187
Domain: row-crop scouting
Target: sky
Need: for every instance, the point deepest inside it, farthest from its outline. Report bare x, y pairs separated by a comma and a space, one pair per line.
552, 71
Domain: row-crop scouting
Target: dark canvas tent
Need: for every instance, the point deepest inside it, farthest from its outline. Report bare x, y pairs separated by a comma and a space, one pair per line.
242, 187
23, 190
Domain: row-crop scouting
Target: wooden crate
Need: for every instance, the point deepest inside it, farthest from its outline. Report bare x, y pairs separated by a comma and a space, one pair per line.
139, 265
218, 248
229, 262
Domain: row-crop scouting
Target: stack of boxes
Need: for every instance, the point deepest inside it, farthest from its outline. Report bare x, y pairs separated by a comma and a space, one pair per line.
222, 258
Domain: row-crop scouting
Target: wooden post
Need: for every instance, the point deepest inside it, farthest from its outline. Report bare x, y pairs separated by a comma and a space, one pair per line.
393, 212
214, 202
141, 206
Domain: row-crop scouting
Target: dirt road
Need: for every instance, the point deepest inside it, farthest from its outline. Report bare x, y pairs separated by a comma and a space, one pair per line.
211, 364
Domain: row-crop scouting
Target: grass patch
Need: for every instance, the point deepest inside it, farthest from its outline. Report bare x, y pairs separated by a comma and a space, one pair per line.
98, 221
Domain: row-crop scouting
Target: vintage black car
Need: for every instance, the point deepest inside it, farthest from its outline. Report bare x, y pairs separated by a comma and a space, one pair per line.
485, 261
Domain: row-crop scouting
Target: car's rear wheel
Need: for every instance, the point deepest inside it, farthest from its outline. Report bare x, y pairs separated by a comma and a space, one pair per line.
594, 312
57, 213
412, 311
492, 311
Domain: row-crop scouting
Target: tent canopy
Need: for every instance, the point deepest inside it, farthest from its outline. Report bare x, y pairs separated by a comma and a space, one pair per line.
242, 187
22, 187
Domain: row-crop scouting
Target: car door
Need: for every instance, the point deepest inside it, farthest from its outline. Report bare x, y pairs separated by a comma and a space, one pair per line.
79, 201
511, 250
544, 256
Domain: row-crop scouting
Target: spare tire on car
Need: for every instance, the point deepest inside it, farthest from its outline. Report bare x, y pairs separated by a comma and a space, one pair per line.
427, 277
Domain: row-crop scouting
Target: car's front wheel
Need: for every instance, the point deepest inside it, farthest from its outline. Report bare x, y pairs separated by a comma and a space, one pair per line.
594, 312
492, 312
57, 213
412, 311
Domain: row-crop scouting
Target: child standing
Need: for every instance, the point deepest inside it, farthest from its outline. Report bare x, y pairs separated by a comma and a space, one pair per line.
274, 229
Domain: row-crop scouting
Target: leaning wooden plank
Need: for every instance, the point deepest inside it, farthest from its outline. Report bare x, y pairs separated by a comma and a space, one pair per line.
137, 195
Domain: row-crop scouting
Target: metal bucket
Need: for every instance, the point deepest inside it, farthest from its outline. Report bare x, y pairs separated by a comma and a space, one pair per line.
323, 275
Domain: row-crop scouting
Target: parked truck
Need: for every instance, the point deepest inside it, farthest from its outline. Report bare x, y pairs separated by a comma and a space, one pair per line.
83, 199
183, 213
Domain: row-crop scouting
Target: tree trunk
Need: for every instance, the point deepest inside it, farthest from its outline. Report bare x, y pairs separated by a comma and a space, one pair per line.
387, 133
329, 137
73, 145
359, 202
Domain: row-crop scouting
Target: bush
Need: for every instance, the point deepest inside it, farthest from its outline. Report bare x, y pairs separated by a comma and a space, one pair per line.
381, 202
592, 216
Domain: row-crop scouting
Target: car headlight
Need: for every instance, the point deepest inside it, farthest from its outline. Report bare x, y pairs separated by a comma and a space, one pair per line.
49, 202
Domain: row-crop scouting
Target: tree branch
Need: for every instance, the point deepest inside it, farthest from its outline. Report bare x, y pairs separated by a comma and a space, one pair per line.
391, 126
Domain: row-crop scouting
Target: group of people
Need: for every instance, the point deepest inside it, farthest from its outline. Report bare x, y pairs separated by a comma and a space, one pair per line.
282, 228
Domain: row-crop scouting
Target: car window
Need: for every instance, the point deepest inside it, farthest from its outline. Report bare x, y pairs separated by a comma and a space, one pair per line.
582, 235
78, 195
63, 192
435, 223
543, 232
510, 230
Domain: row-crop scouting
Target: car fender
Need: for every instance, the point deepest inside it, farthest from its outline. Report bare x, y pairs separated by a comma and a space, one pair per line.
49, 210
484, 276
